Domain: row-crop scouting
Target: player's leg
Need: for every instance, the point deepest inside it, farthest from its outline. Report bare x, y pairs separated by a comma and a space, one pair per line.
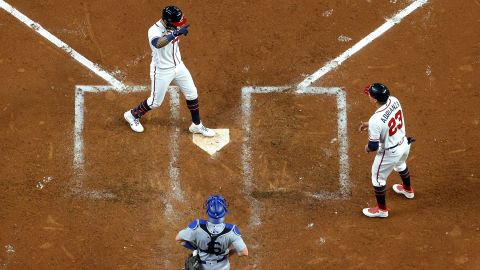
160, 80
184, 80
401, 167
381, 168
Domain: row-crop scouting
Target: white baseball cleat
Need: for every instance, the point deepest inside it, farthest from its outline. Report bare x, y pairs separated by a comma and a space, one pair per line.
375, 212
201, 129
134, 122
401, 190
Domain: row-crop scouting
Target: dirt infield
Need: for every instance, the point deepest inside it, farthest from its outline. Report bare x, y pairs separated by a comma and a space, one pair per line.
120, 210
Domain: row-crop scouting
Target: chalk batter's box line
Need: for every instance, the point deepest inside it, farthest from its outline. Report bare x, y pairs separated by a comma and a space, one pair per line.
343, 191
78, 145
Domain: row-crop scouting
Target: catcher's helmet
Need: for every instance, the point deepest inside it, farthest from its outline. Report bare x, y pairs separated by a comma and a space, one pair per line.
173, 16
378, 91
216, 208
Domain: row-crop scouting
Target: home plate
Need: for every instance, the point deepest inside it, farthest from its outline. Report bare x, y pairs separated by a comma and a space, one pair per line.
212, 145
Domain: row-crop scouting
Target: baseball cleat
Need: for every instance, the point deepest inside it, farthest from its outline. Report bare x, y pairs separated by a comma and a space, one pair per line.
201, 129
375, 212
401, 190
134, 122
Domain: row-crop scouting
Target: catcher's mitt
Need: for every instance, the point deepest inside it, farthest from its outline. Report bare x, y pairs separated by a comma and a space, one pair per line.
192, 262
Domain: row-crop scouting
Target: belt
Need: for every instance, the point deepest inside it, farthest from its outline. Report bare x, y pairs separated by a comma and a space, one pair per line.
217, 261
400, 143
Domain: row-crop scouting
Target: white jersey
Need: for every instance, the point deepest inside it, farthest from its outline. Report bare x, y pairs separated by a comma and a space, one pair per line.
213, 241
168, 56
387, 124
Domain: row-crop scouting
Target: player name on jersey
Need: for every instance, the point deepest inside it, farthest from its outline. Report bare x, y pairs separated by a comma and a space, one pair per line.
389, 111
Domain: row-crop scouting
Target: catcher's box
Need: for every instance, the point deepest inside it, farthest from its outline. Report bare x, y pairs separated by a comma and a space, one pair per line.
213, 144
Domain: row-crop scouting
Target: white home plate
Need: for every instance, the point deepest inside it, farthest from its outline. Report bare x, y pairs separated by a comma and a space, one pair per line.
213, 144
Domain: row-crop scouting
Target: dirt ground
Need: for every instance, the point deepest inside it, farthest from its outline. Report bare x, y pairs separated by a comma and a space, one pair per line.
119, 211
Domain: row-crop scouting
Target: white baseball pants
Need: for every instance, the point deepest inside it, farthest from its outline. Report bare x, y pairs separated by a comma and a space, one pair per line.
388, 160
161, 79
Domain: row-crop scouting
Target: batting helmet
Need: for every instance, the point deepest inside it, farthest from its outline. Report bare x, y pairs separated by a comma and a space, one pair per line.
216, 208
378, 91
173, 17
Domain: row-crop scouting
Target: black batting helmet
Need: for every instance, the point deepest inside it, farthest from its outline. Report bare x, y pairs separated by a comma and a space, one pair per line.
173, 16
378, 91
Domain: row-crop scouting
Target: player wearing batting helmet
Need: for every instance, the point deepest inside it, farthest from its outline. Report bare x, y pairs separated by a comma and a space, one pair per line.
386, 136
167, 66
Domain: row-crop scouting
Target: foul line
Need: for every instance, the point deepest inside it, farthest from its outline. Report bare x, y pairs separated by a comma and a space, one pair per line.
397, 18
342, 138
62, 45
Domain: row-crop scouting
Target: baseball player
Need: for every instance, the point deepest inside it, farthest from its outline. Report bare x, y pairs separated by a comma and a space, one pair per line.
167, 66
214, 240
386, 135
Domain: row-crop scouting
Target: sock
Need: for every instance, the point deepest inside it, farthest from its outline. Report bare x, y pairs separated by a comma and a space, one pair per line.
141, 109
380, 195
193, 107
405, 175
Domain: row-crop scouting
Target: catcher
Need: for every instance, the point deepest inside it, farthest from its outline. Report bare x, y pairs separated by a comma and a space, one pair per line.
212, 240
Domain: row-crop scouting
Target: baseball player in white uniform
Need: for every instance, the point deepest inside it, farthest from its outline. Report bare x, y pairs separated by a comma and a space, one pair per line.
214, 240
167, 66
386, 135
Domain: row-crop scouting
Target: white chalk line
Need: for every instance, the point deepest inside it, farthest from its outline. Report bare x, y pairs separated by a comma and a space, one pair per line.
397, 18
78, 144
248, 187
173, 169
246, 159
95, 68
78, 155
343, 143
342, 135
79, 159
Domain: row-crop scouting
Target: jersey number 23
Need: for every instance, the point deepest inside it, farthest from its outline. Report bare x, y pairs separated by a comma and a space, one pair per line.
395, 123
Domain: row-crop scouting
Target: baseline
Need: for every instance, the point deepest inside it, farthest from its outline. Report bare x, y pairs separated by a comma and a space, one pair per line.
395, 19
95, 68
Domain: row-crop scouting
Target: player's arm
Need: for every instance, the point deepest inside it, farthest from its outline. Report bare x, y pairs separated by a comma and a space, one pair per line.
238, 245
373, 136
186, 237
232, 251
184, 243
160, 42
179, 239
372, 146
243, 252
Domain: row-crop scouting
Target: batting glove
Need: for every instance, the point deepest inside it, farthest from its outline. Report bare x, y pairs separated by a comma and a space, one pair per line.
181, 31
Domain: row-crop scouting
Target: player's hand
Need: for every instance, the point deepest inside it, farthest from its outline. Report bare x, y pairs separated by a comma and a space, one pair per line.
367, 150
181, 31
363, 126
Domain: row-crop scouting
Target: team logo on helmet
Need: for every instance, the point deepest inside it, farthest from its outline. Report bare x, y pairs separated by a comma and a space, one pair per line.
216, 208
